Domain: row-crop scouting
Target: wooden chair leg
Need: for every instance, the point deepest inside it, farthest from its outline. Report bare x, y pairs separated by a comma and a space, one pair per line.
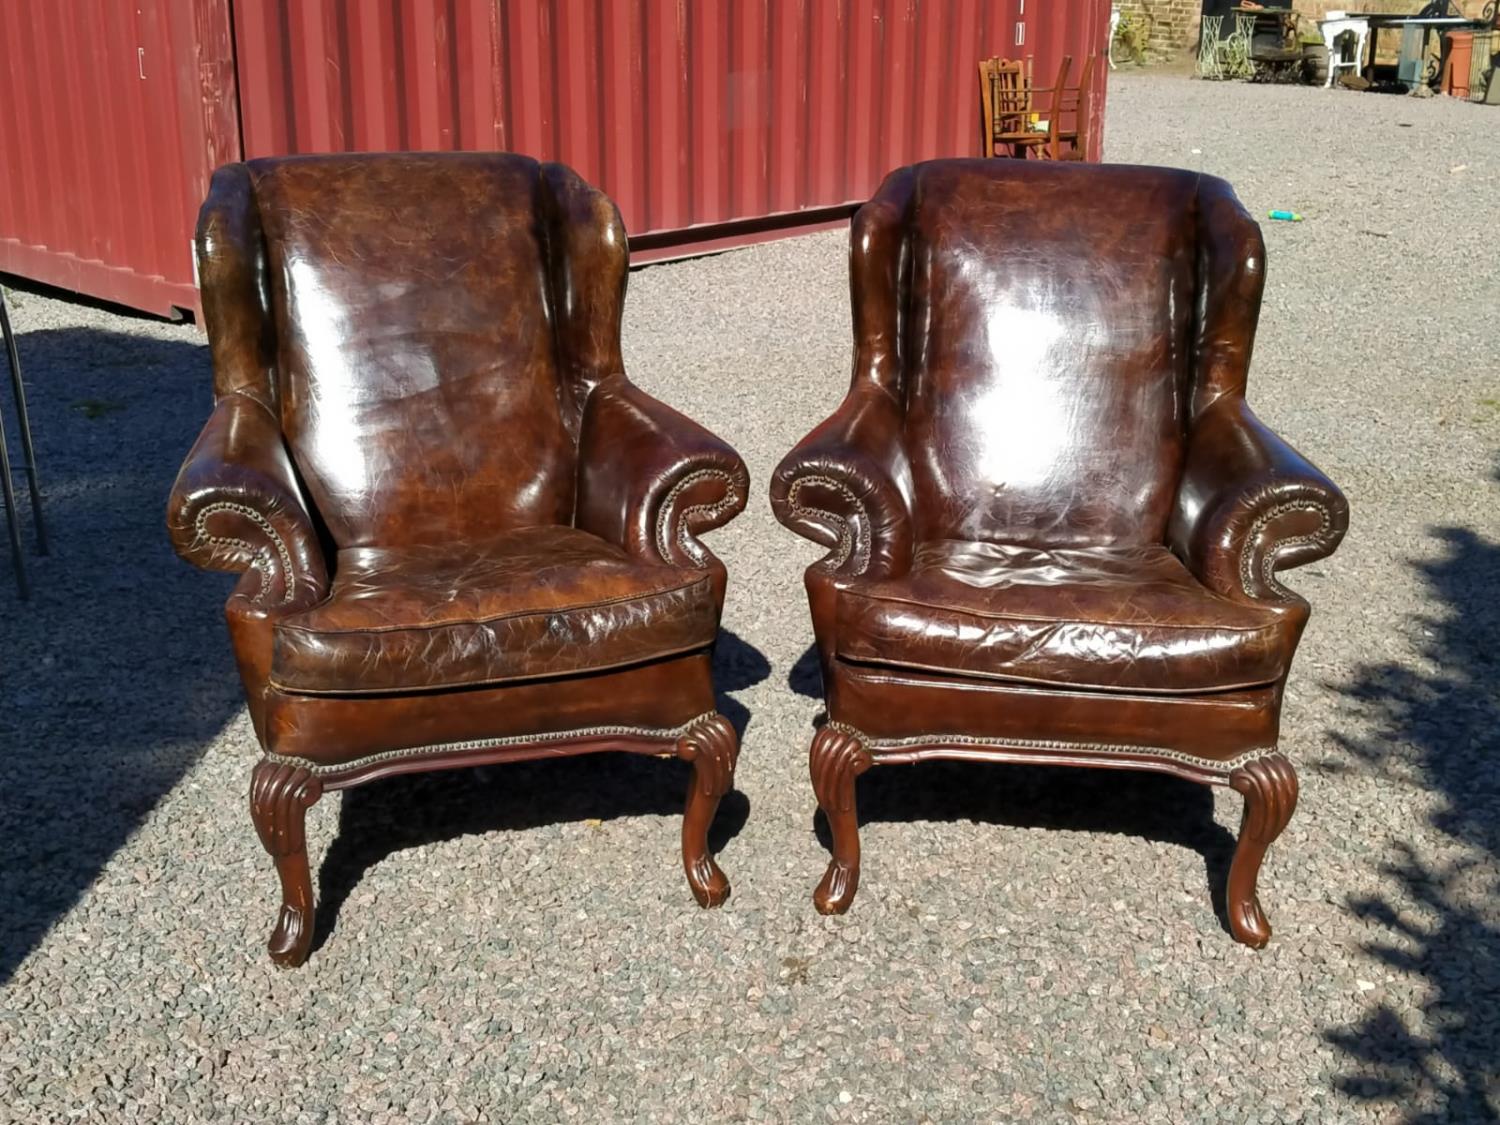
280, 796
837, 758
713, 748
1269, 786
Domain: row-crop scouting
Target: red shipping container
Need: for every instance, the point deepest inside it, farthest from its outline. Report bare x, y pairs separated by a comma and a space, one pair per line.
711, 122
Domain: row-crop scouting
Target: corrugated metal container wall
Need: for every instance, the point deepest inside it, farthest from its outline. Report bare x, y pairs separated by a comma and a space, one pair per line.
711, 122
690, 113
112, 118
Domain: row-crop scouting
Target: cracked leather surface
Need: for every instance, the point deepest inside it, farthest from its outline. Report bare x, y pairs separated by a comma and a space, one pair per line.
1099, 617
1049, 512
413, 348
406, 348
542, 601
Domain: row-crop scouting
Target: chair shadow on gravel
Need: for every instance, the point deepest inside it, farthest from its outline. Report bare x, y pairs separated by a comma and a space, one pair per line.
117, 673
737, 665
1155, 807
1446, 721
417, 810
1119, 802
805, 678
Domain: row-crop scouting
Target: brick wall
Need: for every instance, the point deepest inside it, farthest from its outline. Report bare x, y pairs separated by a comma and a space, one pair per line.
1171, 26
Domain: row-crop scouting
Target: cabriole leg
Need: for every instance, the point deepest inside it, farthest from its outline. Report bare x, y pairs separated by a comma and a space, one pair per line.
1269, 786
836, 759
712, 747
280, 796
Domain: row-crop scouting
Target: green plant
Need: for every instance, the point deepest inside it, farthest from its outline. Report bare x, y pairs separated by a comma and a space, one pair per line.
1132, 34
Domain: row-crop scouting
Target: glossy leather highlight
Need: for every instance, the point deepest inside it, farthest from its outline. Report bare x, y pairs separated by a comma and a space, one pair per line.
1044, 385
464, 535
542, 601
398, 332
417, 358
1053, 523
1102, 618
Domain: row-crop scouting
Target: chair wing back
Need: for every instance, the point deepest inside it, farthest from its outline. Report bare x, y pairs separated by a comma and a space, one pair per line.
427, 328
1045, 336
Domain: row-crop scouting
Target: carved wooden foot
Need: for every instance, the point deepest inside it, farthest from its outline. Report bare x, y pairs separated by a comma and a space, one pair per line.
1269, 786
836, 759
712, 747
280, 796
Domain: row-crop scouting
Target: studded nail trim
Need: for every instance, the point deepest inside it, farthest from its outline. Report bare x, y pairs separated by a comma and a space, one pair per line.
1281, 547
708, 511
846, 544
1214, 764
323, 769
258, 557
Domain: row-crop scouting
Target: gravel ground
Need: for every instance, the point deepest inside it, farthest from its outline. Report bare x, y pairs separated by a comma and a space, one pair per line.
1028, 944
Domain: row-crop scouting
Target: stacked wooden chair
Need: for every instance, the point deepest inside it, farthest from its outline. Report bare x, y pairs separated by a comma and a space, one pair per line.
1012, 107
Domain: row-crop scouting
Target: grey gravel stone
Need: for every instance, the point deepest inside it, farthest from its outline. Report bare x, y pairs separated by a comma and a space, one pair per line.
518, 944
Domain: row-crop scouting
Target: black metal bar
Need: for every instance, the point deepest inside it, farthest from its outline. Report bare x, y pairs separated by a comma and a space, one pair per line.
12, 517
28, 450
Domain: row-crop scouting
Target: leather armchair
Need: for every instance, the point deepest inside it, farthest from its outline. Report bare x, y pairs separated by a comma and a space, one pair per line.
1054, 524
465, 536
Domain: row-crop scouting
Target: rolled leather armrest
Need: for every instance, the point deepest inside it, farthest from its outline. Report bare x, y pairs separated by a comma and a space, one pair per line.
1250, 505
847, 485
236, 506
652, 480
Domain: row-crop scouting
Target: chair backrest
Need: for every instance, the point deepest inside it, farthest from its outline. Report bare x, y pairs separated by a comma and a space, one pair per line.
1081, 107
1005, 98
431, 325
1037, 323
1053, 148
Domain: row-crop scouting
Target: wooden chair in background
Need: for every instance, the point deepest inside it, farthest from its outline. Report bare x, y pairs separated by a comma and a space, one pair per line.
1073, 104
1010, 100
1005, 94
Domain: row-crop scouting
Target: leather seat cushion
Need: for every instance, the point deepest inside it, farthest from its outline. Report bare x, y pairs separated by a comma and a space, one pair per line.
541, 601
1100, 618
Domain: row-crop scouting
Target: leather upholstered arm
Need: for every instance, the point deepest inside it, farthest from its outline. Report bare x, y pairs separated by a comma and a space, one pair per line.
236, 506
847, 485
1250, 505
652, 480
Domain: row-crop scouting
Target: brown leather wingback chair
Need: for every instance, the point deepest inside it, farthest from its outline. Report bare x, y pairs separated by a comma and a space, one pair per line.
1055, 523
466, 536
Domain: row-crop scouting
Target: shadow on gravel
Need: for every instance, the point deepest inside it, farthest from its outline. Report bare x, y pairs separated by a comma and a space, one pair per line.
806, 678
417, 810
737, 665
1118, 802
1451, 718
117, 673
